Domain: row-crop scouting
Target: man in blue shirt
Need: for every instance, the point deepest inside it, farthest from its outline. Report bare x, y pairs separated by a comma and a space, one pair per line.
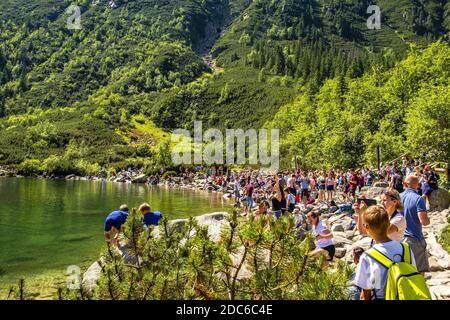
416, 217
114, 222
150, 218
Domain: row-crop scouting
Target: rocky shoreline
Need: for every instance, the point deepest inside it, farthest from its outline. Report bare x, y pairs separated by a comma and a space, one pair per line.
438, 279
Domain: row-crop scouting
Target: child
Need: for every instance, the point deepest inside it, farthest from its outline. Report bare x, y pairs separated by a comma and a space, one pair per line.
371, 276
354, 290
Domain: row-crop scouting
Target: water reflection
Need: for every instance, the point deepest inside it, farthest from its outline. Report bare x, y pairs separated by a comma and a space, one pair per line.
52, 224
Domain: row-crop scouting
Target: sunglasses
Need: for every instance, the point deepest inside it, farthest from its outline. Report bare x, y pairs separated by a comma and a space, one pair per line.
387, 193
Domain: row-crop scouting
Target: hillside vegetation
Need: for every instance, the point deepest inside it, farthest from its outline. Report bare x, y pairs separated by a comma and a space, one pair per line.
85, 98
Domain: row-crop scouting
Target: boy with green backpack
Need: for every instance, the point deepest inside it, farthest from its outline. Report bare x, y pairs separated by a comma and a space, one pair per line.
387, 271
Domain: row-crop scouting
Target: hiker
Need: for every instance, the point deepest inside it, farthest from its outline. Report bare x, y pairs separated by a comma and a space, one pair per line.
392, 203
263, 209
304, 185
291, 184
290, 198
355, 291
431, 181
312, 182
416, 215
370, 178
371, 275
150, 218
237, 191
331, 186
397, 181
361, 181
278, 199
353, 183
113, 224
249, 193
322, 188
301, 226
388, 270
323, 236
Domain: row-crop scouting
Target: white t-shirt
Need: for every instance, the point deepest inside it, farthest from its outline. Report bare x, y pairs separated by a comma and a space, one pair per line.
291, 198
319, 229
400, 222
291, 182
371, 275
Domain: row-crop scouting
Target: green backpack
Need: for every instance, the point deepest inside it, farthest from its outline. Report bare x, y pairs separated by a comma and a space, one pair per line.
404, 281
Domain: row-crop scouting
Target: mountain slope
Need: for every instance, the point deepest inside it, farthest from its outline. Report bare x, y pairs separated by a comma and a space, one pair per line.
230, 63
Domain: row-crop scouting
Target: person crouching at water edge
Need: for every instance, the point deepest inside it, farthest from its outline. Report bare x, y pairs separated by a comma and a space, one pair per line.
150, 218
323, 236
114, 222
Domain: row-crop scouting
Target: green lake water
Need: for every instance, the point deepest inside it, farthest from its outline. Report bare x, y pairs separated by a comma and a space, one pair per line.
46, 226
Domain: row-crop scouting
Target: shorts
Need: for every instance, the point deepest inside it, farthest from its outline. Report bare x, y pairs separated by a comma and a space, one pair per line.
321, 187
109, 224
331, 252
330, 188
419, 249
305, 193
278, 213
292, 191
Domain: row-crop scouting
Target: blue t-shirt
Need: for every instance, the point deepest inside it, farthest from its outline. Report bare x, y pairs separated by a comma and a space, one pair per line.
152, 218
305, 183
115, 219
413, 204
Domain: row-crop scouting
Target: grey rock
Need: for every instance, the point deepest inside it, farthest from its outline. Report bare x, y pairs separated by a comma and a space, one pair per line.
363, 243
340, 253
439, 200
142, 178
338, 228
381, 184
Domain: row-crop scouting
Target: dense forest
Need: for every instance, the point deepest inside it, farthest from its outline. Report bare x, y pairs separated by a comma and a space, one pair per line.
110, 93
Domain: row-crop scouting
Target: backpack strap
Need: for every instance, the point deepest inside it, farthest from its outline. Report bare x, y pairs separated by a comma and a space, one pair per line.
380, 258
406, 253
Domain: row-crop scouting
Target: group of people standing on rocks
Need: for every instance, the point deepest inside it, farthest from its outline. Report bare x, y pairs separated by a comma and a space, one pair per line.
394, 224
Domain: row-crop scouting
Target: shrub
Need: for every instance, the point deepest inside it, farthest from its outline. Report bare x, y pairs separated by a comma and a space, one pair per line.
144, 150
30, 167
85, 168
187, 264
57, 165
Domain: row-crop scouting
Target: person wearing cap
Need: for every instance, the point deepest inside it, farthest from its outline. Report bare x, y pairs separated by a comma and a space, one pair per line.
113, 224
150, 218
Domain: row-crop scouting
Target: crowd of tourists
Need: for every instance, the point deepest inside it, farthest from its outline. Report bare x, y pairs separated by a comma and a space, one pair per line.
395, 224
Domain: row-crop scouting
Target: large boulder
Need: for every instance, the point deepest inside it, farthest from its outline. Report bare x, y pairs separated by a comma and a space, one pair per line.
363, 243
381, 184
341, 242
338, 228
375, 192
350, 234
142, 178
120, 179
214, 221
439, 200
